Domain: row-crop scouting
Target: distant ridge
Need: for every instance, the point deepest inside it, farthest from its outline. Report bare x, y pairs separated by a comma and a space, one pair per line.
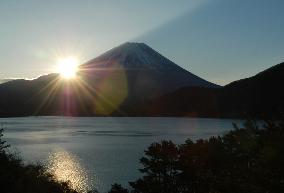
5, 80
260, 96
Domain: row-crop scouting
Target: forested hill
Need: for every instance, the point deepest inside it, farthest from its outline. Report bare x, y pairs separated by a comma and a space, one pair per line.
259, 96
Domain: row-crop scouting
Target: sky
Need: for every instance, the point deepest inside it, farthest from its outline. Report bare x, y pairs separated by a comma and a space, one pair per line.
218, 40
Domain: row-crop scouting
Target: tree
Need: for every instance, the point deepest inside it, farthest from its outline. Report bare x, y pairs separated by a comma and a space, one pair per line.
160, 169
3, 145
117, 188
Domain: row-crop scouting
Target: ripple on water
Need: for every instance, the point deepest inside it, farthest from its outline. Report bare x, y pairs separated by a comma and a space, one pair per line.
66, 167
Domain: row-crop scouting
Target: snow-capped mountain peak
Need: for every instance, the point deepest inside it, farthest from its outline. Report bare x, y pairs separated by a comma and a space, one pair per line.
147, 72
133, 55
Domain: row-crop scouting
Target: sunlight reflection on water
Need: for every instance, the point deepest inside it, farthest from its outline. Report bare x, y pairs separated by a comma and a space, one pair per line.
66, 167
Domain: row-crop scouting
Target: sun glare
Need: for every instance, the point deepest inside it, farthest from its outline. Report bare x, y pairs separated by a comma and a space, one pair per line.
68, 67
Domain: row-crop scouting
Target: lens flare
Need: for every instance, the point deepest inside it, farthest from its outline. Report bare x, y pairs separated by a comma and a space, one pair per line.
68, 67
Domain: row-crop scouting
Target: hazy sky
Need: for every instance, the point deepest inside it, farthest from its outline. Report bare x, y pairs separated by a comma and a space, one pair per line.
219, 40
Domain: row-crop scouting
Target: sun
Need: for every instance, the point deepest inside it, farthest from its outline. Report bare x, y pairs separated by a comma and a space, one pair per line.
68, 67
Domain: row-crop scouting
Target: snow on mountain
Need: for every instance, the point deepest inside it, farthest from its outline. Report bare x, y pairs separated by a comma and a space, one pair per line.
134, 55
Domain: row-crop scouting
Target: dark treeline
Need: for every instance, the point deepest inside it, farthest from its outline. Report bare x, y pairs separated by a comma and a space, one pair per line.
246, 160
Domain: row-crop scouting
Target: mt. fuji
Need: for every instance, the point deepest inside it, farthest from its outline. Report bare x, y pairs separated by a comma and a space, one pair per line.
148, 73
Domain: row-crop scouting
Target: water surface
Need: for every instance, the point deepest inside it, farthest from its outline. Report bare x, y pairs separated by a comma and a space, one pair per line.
99, 151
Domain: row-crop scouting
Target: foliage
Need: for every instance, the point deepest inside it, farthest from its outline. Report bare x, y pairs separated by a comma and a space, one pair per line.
248, 159
117, 188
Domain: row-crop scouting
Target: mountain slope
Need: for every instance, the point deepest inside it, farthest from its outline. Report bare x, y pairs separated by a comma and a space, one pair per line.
148, 73
115, 83
5, 80
22, 97
259, 96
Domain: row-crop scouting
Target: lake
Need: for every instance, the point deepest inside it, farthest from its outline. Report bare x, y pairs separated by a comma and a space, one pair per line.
95, 152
